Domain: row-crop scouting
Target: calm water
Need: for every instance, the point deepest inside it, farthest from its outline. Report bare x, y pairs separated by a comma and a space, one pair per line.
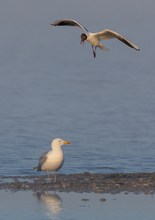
75, 206
51, 86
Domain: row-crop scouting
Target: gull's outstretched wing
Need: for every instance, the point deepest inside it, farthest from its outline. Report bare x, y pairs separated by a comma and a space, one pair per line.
109, 34
68, 22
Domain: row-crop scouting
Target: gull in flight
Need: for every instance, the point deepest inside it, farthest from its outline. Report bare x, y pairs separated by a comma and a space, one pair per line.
52, 160
95, 38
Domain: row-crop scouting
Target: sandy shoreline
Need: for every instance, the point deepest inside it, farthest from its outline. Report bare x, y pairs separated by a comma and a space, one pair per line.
83, 182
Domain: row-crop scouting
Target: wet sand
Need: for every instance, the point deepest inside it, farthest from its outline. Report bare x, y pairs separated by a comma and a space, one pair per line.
83, 182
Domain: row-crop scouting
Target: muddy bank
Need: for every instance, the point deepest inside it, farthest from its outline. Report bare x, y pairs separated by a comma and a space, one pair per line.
84, 182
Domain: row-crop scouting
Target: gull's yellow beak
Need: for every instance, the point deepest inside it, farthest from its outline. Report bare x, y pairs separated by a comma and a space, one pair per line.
67, 142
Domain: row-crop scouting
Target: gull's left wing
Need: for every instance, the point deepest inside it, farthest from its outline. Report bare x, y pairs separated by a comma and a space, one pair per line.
109, 34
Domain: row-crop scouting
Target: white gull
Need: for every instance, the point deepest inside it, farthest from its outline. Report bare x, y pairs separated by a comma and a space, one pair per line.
95, 38
53, 159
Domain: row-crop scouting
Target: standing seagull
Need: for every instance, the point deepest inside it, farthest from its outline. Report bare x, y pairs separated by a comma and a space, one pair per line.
95, 38
52, 160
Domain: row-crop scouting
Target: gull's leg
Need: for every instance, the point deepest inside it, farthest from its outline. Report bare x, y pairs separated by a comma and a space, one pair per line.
94, 51
48, 175
55, 177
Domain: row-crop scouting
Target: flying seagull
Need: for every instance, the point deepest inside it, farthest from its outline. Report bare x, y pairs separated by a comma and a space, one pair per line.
52, 160
95, 38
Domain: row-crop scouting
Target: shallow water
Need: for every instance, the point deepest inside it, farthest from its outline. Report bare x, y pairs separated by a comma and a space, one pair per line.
50, 86
58, 205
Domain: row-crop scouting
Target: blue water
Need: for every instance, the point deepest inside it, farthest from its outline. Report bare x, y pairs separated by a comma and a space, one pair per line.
50, 205
51, 86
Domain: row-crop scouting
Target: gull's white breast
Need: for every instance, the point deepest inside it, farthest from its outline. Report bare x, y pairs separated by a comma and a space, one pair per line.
93, 40
54, 161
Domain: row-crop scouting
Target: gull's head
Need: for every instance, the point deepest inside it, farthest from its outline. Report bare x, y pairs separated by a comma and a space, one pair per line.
83, 38
58, 142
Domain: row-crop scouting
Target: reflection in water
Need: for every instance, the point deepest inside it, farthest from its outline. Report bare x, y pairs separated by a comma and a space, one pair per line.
52, 202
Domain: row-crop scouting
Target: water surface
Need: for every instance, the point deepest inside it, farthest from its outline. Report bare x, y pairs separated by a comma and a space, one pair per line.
51, 86
56, 205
